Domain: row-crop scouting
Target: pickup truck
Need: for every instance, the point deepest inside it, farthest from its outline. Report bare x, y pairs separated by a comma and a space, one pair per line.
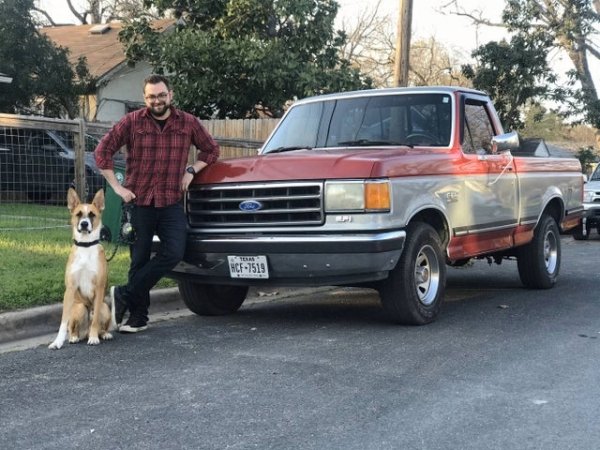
591, 207
378, 188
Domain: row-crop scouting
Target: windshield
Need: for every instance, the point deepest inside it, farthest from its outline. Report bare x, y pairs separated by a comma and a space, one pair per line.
596, 175
407, 119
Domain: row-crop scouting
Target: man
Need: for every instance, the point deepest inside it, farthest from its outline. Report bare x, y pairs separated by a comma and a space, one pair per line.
158, 139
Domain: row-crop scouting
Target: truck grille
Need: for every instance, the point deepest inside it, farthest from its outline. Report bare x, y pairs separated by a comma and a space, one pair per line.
255, 205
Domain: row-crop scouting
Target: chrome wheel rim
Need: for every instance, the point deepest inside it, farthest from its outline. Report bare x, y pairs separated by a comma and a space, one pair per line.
427, 275
550, 251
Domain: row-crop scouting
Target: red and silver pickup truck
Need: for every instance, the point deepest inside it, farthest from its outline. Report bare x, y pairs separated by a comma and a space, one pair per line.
381, 188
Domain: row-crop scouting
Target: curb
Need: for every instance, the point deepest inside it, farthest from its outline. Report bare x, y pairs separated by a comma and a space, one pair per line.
44, 320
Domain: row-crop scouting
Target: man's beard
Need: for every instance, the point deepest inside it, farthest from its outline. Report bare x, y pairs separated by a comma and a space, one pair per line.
159, 110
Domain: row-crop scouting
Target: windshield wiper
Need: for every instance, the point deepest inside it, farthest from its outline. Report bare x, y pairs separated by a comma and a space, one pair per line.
365, 142
288, 149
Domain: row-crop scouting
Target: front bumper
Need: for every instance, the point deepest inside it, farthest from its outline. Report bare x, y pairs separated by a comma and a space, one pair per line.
294, 260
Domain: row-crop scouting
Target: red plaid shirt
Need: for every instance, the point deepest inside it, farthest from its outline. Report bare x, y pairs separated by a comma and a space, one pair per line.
156, 158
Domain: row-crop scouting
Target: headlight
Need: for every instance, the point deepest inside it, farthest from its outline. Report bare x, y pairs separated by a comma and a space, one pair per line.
588, 196
357, 196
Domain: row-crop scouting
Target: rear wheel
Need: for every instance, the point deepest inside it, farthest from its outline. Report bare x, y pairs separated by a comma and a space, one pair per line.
539, 261
212, 299
414, 290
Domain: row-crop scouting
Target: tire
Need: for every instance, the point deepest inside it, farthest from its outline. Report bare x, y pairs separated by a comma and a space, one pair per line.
414, 291
539, 261
212, 299
579, 235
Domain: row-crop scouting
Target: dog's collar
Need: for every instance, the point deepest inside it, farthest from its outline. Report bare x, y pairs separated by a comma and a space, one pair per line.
86, 244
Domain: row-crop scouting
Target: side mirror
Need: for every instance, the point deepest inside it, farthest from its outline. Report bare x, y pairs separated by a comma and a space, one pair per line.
585, 178
505, 142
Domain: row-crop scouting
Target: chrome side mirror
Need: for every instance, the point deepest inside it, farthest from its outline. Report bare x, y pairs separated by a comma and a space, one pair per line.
505, 142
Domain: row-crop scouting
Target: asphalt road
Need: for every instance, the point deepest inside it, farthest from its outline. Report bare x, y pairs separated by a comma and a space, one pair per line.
503, 368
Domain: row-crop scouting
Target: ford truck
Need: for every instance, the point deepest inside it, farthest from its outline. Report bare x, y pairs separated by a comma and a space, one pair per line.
380, 188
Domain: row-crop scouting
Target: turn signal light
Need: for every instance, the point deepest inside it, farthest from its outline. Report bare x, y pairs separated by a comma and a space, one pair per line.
377, 196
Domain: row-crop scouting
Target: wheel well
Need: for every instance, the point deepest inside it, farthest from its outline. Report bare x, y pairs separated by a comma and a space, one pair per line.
437, 220
555, 209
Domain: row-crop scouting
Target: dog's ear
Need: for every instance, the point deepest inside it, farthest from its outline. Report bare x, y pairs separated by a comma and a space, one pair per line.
72, 199
99, 200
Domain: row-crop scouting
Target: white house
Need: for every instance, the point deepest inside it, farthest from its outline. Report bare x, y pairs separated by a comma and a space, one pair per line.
118, 86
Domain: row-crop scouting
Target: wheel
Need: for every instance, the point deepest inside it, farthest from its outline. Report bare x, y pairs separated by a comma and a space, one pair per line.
414, 290
539, 261
212, 299
580, 235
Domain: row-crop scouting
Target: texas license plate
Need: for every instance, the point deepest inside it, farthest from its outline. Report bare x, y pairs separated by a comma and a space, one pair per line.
248, 266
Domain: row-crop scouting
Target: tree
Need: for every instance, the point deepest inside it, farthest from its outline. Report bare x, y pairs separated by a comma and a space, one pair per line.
541, 123
573, 27
433, 64
244, 58
99, 11
515, 74
587, 156
370, 47
40, 71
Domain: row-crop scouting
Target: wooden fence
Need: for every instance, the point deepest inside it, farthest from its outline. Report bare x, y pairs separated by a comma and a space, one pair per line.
241, 137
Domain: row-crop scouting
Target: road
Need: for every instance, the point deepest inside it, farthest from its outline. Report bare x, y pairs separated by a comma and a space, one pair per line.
503, 368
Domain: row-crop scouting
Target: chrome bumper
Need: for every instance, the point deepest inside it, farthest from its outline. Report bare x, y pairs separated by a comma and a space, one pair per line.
310, 260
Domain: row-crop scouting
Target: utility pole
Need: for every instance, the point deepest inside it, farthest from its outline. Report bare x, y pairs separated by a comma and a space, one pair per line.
403, 43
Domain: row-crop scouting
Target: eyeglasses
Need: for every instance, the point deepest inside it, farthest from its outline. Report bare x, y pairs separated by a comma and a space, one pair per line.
161, 96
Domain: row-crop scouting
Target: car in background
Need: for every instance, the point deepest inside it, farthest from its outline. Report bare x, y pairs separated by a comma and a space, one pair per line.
591, 206
40, 164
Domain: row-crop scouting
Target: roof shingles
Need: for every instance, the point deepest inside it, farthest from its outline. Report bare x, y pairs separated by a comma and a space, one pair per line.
103, 51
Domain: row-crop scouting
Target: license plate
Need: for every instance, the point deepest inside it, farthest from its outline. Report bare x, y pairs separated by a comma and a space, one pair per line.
248, 266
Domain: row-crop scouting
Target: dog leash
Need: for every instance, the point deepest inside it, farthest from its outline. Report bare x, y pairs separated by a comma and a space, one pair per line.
126, 231
114, 252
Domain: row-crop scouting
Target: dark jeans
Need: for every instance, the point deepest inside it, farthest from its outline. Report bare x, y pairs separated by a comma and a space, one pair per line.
169, 224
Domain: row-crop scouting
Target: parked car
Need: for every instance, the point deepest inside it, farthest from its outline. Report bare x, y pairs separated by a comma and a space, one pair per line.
591, 207
41, 163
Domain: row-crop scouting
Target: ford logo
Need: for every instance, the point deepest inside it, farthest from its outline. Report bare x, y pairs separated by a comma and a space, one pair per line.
250, 205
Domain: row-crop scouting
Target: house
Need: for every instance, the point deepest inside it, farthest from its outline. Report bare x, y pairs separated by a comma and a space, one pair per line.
118, 85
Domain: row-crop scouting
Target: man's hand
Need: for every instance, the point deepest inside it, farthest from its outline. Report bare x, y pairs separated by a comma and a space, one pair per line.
125, 194
185, 181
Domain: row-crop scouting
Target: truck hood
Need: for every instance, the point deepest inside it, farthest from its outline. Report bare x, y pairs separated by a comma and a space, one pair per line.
592, 186
318, 165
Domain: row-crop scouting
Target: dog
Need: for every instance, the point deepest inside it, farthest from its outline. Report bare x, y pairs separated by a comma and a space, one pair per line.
86, 277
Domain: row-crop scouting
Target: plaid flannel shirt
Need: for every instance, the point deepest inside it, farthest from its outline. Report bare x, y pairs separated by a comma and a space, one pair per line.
156, 158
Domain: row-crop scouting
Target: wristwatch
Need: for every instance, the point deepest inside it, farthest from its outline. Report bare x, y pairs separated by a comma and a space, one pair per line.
190, 169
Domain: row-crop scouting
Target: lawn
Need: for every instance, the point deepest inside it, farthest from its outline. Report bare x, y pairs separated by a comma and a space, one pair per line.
35, 241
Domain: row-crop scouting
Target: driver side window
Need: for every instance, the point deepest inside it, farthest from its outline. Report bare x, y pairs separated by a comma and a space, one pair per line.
478, 130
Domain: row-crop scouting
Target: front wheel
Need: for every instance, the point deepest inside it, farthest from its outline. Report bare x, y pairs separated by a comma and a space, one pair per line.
414, 290
212, 299
539, 261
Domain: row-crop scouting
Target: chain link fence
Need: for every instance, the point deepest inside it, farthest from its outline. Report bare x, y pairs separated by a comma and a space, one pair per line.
41, 158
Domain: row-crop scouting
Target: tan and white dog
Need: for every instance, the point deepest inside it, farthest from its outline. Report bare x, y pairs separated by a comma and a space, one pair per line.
85, 277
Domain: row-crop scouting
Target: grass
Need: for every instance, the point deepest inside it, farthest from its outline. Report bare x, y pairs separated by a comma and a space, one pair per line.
35, 241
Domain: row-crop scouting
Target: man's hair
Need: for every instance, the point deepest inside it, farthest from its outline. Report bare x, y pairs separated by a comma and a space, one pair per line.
155, 79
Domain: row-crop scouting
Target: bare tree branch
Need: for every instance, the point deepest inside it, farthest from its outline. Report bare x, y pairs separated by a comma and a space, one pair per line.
593, 51
46, 15
79, 17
